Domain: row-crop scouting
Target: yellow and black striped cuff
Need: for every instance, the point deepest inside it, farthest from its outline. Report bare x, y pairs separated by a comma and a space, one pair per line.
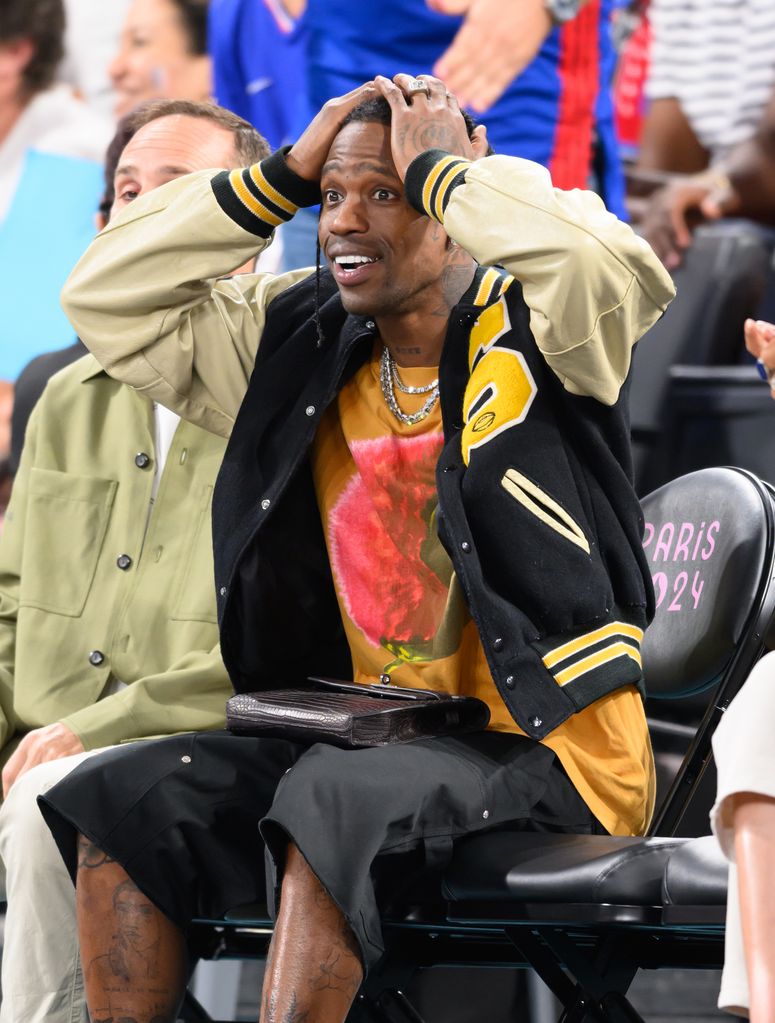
612, 648
261, 197
430, 180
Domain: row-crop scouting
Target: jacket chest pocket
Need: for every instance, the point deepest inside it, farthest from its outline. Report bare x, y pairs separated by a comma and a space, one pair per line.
195, 598
67, 519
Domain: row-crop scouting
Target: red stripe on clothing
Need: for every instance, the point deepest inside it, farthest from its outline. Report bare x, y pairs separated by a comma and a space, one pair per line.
579, 71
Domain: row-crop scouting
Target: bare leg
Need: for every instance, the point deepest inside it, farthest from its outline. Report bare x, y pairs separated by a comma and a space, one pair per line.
754, 826
314, 969
134, 957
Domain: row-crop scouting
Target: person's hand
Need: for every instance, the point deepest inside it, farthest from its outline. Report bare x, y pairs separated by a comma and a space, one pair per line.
307, 156
760, 342
674, 211
38, 746
423, 120
494, 44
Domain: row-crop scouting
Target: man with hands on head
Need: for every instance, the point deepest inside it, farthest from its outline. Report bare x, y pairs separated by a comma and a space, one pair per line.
428, 479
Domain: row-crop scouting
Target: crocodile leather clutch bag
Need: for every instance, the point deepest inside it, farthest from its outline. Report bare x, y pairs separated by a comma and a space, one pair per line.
353, 716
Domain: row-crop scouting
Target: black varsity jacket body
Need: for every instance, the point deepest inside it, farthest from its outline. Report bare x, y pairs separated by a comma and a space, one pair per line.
538, 514
535, 503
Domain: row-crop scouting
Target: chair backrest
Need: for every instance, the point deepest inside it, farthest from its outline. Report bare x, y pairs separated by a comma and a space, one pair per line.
710, 544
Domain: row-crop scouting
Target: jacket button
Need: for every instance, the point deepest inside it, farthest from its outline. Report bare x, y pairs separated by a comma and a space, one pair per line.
371, 325
124, 562
536, 722
497, 644
96, 657
449, 468
142, 461
309, 410
222, 591
265, 504
510, 681
465, 546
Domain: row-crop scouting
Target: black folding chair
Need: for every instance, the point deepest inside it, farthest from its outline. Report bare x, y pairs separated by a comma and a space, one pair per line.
587, 911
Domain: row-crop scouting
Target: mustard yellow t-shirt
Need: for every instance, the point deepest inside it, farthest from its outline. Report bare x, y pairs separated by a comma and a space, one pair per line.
402, 605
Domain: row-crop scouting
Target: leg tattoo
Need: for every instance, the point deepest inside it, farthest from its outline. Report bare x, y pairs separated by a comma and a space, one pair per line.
133, 955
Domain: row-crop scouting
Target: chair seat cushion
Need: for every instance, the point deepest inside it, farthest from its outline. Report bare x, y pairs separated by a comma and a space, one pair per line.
551, 868
696, 875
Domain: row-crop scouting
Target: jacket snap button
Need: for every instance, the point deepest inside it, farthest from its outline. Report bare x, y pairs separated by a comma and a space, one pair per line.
185, 760
310, 410
510, 682
142, 461
536, 722
124, 562
497, 644
486, 814
265, 503
465, 546
370, 325
96, 657
222, 591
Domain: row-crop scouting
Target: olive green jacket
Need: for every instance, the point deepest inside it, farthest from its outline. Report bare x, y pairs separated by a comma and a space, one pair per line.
87, 595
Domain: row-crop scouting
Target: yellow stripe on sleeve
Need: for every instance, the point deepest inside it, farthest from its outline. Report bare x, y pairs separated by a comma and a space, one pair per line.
432, 178
609, 653
270, 192
589, 639
249, 200
442, 190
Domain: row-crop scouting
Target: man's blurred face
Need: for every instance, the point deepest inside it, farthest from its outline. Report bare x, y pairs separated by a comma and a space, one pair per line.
168, 148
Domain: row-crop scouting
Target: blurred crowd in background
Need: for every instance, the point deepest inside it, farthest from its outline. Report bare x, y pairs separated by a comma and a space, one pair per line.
667, 108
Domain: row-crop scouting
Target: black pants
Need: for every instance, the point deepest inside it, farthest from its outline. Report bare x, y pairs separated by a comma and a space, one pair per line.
191, 817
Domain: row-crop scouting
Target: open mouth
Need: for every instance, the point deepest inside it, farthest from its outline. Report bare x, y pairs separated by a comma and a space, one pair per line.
351, 268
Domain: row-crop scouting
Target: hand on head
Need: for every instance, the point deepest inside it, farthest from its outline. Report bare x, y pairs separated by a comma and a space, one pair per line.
307, 156
426, 116
423, 118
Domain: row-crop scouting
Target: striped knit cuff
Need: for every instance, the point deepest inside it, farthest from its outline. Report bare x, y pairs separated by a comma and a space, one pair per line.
430, 179
261, 197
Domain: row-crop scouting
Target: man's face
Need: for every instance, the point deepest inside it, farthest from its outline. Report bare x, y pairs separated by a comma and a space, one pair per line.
386, 258
168, 148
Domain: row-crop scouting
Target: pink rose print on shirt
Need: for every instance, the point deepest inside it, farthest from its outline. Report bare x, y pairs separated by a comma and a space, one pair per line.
378, 530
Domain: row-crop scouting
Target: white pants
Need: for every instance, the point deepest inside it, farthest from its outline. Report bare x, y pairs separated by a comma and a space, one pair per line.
41, 972
745, 760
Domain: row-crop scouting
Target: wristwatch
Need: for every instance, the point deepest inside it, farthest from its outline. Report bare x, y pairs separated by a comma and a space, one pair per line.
561, 11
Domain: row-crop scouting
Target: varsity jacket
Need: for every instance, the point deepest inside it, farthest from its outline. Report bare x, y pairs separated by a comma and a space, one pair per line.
536, 507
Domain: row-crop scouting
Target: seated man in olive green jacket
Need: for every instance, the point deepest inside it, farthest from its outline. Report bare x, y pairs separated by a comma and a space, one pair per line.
107, 602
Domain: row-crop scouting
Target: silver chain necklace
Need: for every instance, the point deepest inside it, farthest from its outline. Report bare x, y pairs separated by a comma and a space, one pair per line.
389, 373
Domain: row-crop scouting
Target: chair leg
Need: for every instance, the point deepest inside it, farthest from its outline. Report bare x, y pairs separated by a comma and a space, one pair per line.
590, 984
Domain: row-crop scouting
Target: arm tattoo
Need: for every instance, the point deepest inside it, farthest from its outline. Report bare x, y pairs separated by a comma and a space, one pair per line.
89, 856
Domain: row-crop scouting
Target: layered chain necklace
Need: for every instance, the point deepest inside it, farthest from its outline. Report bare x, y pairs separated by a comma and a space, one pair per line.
388, 377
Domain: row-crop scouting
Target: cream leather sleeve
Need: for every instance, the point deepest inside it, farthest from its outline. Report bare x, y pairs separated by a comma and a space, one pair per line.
592, 285
146, 300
